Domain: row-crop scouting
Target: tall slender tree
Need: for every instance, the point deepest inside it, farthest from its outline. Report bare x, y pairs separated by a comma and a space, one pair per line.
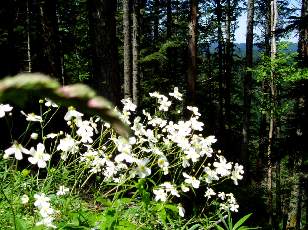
169, 19
127, 49
192, 53
156, 11
248, 79
104, 50
271, 132
45, 41
135, 52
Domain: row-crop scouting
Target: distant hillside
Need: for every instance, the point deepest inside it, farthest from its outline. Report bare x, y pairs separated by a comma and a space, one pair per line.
240, 49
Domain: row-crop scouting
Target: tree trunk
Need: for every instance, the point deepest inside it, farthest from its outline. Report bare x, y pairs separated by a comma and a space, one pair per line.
303, 36
295, 199
220, 71
192, 53
156, 21
135, 51
273, 23
104, 50
127, 50
28, 40
303, 57
248, 80
228, 66
169, 19
45, 42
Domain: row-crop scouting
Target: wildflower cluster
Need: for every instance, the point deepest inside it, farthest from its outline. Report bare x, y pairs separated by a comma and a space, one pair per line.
174, 154
42, 203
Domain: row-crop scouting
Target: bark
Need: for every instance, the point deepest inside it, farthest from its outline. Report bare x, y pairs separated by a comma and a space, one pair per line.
278, 194
303, 36
295, 200
192, 53
303, 57
248, 80
169, 19
273, 23
45, 42
11, 64
135, 51
228, 64
127, 50
28, 40
104, 50
220, 71
156, 21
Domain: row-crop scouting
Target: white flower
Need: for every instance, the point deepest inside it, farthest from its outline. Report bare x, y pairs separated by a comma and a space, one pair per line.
162, 162
191, 180
128, 105
160, 194
234, 207
72, 113
49, 103
192, 154
194, 110
132, 140
176, 94
124, 157
222, 168
46, 211
67, 144
51, 135
24, 199
47, 222
232, 204
195, 124
181, 210
141, 168
155, 94
237, 173
17, 150
210, 175
123, 145
32, 117
170, 188
39, 156
34, 136
184, 188
62, 190
41, 200
164, 104
222, 195
85, 131
209, 192
185, 162
4, 109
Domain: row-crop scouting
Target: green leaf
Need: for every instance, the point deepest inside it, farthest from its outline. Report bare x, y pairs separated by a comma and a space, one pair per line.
195, 226
241, 221
219, 227
172, 207
20, 224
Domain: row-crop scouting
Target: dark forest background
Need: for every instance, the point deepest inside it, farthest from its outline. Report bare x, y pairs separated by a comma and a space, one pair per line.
253, 96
